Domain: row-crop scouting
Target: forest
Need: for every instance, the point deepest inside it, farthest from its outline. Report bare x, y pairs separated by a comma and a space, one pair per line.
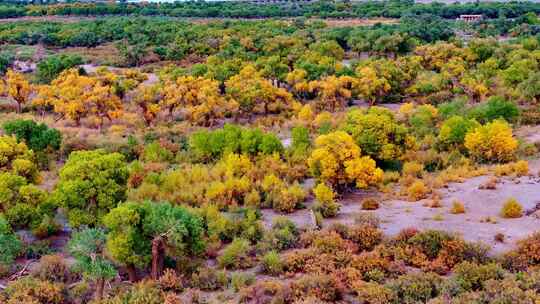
229, 152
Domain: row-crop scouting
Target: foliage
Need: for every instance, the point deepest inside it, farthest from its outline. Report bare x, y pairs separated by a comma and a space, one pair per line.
50, 67
10, 245
37, 137
336, 160
491, 142
511, 209
91, 183
236, 255
326, 204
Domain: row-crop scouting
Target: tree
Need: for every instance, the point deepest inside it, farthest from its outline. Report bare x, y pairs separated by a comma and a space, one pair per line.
377, 133
453, 130
336, 161
199, 97
88, 248
17, 87
91, 183
17, 159
37, 137
148, 231
256, 95
10, 245
333, 92
50, 67
75, 96
492, 142
370, 85
148, 99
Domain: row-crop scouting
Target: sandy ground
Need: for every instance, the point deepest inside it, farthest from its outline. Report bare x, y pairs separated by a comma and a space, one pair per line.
396, 215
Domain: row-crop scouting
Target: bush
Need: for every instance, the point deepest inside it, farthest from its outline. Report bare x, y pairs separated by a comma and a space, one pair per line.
241, 280
170, 281
415, 288
495, 108
492, 142
209, 279
370, 204
472, 277
373, 293
417, 191
325, 203
271, 263
453, 130
236, 255
322, 286
51, 268
37, 137
366, 237
283, 234
32, 290
511, 209
457, 207
525, 255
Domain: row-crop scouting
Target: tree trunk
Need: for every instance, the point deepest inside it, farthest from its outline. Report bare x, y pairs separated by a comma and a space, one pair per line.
157, 257
132, 273
100, 286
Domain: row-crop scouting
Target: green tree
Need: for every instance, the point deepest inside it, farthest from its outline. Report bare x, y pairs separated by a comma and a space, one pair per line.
88, 249
50, 67
146, 232
37, 137
10, 245
91, 183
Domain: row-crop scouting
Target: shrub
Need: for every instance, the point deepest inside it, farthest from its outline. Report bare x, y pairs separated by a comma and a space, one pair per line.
236, 255
492, 142
271, 263
495, 108
289, 198
326, 203
209, 279
453, 130
283, 234
511, 209
366, 237
300, 140
471, 277
266, 292
32, 290
51, 268
323, 287
10, 245
170, 281
240, 280
365, 218
417, 191
373, 293
37, 137
415, 288
525, 255
370, 204
457, 207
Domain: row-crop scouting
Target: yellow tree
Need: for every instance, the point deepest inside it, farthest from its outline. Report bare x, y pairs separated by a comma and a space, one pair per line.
148, 99
199, 97
74, 96
333, 92
369, 85
17, 87
337, 161
298, 82
492, 142
256, 95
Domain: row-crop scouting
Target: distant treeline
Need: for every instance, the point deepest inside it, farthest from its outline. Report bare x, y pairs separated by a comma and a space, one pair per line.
234, 9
